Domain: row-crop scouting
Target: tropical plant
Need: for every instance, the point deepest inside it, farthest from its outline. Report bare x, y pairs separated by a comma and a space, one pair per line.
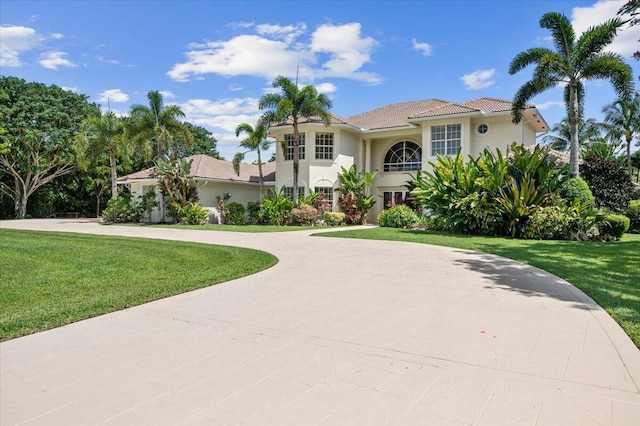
304, 215
560, 136
256, 140
609, 182
296, 104
574, 61
175, 184
236, 213
157, 125
520, 200
40, 122
102, 133
577, 190
633, 213
356, 200
276, 207
190, 213
622, 121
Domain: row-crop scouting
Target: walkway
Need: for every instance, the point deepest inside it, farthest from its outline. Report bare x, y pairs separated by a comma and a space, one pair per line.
340, 331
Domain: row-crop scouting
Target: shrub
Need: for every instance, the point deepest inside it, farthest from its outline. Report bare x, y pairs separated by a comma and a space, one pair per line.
548, 223
121, 210
577, 189
633, 213
304, 215
397, 217
236, 213
609, 182
276, 207
191, 213
254, 214
334, 218
355, 200
614, 225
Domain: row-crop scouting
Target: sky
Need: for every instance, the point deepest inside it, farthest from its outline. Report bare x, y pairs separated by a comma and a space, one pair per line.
215, 59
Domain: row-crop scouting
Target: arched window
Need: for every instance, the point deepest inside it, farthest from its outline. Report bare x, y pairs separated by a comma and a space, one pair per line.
404, 156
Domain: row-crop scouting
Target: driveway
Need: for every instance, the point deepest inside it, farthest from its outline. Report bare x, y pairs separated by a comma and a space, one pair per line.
340, 331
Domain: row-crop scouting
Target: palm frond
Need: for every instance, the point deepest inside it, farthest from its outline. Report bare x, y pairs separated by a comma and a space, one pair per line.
562, 32
596, 38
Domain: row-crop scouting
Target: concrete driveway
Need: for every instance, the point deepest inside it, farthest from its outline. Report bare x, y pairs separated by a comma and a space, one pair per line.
340, 331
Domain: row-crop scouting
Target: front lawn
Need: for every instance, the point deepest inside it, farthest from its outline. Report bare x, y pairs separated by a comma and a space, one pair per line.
48, 279
608, 272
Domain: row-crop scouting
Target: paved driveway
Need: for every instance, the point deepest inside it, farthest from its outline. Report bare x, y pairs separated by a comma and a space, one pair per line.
340, 331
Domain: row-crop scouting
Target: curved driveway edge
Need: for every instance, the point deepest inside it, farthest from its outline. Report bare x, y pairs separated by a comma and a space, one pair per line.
340, 331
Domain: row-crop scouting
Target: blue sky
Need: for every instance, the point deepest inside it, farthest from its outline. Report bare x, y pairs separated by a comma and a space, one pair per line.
216, 58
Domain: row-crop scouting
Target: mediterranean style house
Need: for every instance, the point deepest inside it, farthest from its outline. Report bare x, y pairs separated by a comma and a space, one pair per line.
212, 179
397, 140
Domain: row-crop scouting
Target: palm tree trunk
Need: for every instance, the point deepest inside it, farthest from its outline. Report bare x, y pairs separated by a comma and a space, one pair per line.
574, 107
260, 177
629, 167
296, 160
114, 174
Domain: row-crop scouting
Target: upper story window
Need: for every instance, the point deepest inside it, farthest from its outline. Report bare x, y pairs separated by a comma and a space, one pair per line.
288, 151
404, 156
446, 139
324, 146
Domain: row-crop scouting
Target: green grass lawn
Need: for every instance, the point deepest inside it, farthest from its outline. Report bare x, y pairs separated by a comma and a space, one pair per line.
48, 279
608, 272
229, 228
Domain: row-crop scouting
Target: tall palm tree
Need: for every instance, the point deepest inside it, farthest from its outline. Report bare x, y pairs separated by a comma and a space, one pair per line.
256, 140
622, 120
157, 124
573, 62
99, 134
296, 104
560, 136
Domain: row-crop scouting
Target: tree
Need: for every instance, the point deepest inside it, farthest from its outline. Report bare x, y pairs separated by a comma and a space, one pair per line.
157, 125
40, 123
573, 62
355, 199
102, 133
622, 120
295, 104
631, 8
203, 143
256, 140
560, 138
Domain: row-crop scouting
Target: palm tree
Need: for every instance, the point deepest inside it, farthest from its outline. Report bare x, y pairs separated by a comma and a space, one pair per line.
622, 120
157, 124
256, 140
573, 62
296, 104
99, 134
560, 137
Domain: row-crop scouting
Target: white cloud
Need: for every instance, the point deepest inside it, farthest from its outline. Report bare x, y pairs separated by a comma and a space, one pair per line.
348, 51
275, 51
15, 40
625, 43
113, 95
326, 88
56, 36
240, 25
54, 60
480, 79
550, 104
73, 89
425, 48
167, 94
198, 108
107, 61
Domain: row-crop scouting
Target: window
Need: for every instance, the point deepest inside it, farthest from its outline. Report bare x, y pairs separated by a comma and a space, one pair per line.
404, 156
446, 140
394, 198
328, 192
482, 129
324, 146
288, 191
288, 151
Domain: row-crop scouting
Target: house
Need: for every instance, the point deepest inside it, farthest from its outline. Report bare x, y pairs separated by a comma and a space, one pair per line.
212, 178
397, 140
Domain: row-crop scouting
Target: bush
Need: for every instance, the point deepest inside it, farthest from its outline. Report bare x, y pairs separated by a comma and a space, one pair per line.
614, 225
191, 213
122, 210
276, 207
236, 213
548, 223
254, 214
609, 182
304, 215
397, 217
577, 189
334, 218
633, 213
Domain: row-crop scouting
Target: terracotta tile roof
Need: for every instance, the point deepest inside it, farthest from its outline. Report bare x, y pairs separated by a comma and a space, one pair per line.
335, 119
394, 115
206, 167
